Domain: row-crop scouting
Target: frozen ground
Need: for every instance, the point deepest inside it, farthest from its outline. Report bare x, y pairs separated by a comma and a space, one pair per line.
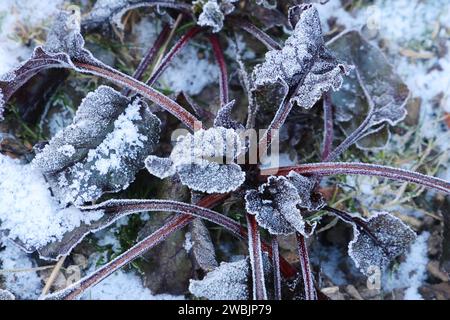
414, 34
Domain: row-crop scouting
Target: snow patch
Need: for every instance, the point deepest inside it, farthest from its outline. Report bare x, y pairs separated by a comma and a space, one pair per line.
28, 212
16, 267
412, 273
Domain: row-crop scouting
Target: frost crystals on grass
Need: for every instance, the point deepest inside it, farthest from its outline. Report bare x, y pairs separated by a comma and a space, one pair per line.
392, 234
199, 161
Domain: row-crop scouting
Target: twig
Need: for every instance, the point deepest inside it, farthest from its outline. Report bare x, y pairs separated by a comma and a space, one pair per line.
53, 275
218, 54
310, 291
164, 63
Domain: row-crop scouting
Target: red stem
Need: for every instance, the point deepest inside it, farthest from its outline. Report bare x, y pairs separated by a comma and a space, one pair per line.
157, 237
255, 32
182, 42
276, 268
150, 55
218, 54
153, 95
256, 258
367, 169
175, 223
310, 291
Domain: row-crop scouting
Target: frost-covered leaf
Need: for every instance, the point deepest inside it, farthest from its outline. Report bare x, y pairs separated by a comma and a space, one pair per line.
310, 200
393, 236
102, 150
275, 206
204, 161
224, 118
373, 88
229, 281
304, 66
63, 47
214, 12
112, 11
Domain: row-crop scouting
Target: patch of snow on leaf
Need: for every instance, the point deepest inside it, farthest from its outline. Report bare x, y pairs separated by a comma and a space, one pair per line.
188, 244
412, 272
28, 212
110, 138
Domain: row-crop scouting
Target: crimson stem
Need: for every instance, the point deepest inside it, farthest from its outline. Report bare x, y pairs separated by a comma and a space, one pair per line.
366, 169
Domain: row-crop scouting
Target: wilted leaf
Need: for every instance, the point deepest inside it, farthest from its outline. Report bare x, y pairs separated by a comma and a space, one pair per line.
204, 161
275, 206
102, 150
229, 281
373, 89
304, 65
393, 236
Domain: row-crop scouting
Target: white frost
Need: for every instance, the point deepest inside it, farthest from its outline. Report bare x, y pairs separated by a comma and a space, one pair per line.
28, 212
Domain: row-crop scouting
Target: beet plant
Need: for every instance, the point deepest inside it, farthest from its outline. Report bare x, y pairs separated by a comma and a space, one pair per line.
114, 134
